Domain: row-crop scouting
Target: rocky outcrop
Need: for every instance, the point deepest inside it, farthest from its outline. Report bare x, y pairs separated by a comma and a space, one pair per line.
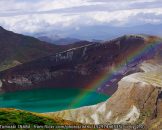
82, 65
138, 100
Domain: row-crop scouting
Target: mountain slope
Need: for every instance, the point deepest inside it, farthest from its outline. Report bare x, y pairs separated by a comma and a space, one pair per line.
80, 66
17, 49
13, 117
18, 119
138, 100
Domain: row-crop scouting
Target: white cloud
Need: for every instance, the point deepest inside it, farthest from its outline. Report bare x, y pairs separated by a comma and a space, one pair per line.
125, 16
60, 4
42, 5
33, 16
34, 23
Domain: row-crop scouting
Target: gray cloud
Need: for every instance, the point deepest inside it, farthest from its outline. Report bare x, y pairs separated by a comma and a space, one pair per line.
35, 15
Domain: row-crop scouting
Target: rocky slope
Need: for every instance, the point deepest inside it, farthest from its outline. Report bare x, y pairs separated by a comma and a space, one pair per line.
80, 66
138, 100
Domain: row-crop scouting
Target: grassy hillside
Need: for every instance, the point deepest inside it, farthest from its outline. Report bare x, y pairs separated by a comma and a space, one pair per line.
11, 117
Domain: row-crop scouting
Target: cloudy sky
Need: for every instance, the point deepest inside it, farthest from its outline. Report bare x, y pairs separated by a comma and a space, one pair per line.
33, 16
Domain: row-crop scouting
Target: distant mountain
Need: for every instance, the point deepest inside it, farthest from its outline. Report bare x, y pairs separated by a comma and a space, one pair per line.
102, 32
95, 40
17, 49
80, 66
58, 41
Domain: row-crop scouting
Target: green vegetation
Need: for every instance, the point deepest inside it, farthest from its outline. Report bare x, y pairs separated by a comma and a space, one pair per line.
12, 117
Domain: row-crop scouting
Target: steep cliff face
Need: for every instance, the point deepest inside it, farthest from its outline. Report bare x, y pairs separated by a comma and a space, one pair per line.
138, 100
80, 66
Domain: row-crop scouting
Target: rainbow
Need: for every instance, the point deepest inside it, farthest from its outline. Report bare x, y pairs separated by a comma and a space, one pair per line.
106, 75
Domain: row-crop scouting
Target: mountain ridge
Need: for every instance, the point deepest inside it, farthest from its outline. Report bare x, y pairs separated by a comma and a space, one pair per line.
58, 41
78, 66
21, 48
131, 66
18, 49
138, 97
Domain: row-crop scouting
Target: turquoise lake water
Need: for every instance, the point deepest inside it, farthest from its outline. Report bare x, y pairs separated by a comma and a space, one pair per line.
50, 100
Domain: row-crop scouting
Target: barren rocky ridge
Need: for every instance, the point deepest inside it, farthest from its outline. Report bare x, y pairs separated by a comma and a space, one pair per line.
137, 100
